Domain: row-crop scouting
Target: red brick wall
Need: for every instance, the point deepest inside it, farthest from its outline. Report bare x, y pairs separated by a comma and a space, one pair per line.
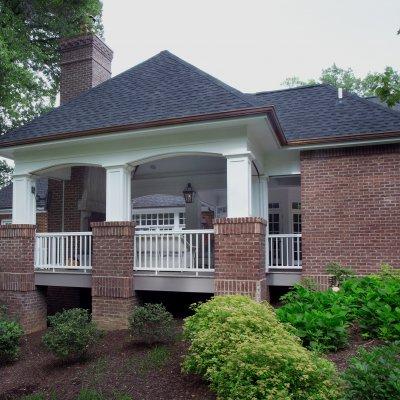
17, 280
41, 220
351, 208
73, 191
85, 63
112, 273
240, 257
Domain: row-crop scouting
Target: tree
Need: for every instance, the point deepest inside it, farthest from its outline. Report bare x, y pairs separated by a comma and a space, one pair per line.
29, 59
385, 85
5, 173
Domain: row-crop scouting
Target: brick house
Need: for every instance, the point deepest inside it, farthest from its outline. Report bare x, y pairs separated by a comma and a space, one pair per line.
163, 178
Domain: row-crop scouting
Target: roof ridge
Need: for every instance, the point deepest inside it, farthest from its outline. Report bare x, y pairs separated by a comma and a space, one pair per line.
367, 102
210, 78
288, 89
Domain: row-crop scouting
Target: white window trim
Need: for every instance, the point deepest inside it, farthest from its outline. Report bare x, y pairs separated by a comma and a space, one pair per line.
163, 210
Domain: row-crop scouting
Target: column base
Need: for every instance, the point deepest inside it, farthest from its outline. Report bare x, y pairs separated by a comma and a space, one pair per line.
112, 313
255, 289
29, 308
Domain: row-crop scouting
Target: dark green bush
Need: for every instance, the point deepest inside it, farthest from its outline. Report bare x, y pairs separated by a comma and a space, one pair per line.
151, 323
71, 333
374, 375
10, 336
320, 319
245, 353
374, 303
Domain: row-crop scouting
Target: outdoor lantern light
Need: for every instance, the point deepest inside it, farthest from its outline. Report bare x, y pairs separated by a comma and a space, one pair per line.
188, 193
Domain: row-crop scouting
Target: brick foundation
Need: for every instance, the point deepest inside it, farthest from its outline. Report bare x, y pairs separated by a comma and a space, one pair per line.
350, 209
240, 257
112, 273
17, 279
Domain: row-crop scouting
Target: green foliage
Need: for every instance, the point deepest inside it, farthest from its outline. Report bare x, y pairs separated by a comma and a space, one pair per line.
246, 353
320, 319
10, 336
29, 57
90, 394
151, 323
339, 273
71, 333
374, 303
374, 375
5, 173
385, 85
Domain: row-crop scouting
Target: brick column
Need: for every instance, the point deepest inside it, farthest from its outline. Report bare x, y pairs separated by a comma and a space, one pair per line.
240, 257
17, 277
112, 273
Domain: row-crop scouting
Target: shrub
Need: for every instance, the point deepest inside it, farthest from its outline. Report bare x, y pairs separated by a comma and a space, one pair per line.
10, 336
374, 374
339, 273
151, 323
320, 319
246, 353
374, 303
71, 333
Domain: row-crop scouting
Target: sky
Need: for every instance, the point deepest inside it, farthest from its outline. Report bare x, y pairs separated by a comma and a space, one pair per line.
254, 45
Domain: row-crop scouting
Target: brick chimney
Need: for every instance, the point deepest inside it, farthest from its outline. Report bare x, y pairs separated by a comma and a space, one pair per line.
85, 63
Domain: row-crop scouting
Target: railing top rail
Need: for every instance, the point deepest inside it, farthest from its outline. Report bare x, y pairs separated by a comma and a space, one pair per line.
52, 234
174, 232
285, 235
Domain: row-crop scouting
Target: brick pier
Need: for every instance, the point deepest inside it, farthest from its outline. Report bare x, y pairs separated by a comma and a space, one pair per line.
240, 257
113, 295
17, 279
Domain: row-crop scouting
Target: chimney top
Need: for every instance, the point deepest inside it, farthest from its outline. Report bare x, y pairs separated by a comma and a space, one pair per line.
85, 63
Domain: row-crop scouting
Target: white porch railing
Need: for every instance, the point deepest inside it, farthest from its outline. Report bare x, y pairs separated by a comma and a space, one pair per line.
283, 251
59, 251
183, 250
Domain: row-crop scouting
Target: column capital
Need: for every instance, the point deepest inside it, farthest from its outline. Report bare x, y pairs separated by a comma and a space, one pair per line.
243, 154
125, 167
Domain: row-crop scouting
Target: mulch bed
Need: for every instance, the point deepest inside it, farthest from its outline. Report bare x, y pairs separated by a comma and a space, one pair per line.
114, 366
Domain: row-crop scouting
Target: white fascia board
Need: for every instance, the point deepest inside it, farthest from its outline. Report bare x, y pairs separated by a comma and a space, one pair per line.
133, 150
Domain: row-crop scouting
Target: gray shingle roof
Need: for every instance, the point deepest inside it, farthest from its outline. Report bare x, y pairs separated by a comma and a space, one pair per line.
166, 87
163, 87
158, 200
316, 112
377, 100
6, 194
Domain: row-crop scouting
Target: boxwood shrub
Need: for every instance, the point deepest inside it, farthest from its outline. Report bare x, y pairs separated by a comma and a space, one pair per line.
151, 323
10, 336
241, 348
71, 333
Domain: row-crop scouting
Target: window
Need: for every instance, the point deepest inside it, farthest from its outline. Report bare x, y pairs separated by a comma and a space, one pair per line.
159, 220
6, 221
273, 222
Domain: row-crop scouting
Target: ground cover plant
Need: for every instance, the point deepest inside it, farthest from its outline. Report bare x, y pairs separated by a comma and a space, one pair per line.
374, 374
241, 348
10, 336
71, 334
151, 323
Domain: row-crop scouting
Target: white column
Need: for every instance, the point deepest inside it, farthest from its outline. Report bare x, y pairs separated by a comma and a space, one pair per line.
118, 193
264, 197
24, 199
238, 182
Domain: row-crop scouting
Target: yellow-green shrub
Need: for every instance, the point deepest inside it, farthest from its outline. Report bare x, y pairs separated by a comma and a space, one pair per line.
246, 353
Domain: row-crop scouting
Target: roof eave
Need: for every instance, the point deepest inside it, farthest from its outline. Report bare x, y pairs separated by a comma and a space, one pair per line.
373, 136
269, 112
